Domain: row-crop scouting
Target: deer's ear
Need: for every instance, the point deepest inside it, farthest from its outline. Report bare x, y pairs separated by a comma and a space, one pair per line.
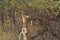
27, 16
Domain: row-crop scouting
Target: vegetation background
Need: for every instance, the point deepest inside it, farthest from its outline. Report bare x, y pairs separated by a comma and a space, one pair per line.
45, 15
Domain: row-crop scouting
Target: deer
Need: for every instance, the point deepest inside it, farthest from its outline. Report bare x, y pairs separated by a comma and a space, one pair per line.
24, 29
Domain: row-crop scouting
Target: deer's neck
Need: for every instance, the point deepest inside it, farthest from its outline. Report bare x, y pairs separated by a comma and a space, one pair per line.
24, 22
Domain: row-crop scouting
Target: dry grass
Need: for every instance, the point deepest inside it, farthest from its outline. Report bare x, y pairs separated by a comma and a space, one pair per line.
7, 36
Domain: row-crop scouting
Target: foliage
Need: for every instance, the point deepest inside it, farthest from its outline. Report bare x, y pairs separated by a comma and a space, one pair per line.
42, 12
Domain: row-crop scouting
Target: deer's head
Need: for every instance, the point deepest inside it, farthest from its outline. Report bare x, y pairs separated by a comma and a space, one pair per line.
24, 17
